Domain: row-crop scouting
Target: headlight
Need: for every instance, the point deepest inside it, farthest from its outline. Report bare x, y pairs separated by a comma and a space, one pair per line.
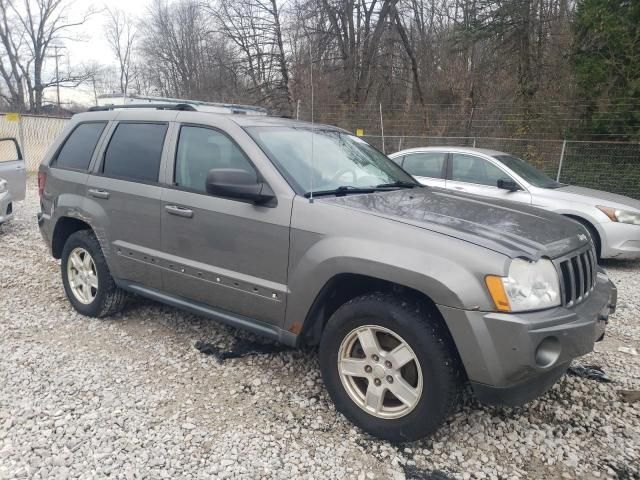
3, 186
529, 286
622, 216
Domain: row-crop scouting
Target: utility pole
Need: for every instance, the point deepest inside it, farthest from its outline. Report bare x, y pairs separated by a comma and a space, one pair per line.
55, 49
57, 56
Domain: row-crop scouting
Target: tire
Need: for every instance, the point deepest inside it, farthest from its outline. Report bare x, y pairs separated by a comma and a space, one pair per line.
435, 359
106, 298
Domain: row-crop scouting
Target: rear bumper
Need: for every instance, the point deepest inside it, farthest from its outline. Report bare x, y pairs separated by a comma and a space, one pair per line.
513, 358
43, 224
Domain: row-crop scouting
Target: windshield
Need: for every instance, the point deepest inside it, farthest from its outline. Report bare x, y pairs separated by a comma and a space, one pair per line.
528, 172
339, 159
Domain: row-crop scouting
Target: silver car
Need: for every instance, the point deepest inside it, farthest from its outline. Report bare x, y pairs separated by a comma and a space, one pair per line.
613, 220
12, 177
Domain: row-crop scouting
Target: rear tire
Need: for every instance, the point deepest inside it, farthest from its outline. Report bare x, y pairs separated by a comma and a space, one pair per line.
428, 383
86, 277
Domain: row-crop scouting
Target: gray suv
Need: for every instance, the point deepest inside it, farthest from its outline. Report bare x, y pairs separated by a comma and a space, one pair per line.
308, 235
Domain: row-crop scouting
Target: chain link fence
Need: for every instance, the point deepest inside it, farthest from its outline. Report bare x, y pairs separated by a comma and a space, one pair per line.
609, 166
34, 133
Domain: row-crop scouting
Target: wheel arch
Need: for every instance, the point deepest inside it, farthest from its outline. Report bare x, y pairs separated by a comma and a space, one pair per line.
591, 227
343, 287
65, 227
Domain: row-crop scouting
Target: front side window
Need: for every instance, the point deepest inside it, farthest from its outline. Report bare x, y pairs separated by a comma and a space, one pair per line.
472, 169
78, 149
202, 149
134, 151
324, 159
426, 164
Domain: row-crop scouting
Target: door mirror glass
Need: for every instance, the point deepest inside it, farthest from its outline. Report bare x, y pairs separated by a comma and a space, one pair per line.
510, 185
240, 185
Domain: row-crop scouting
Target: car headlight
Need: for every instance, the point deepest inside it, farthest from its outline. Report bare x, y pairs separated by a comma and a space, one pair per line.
622, 216
3, 186
529, 286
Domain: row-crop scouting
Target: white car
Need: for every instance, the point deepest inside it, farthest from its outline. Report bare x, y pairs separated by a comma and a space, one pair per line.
13, 177
613, 220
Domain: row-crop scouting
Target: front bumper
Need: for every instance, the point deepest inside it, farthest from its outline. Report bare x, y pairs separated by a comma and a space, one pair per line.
6, 207
511, 359
620, 240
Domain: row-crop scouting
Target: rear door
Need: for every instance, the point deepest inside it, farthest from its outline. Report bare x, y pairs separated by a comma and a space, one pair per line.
474, 174
123, 194
12, 168
427, 167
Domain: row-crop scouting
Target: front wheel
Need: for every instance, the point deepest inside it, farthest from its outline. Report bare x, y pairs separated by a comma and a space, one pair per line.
86, 277
389, 366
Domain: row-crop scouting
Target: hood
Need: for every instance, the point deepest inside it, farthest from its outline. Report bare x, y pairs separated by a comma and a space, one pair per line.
595, 197
513, 229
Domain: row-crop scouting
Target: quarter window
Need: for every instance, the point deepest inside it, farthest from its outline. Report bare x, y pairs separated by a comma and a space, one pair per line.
472, 169
78, 149
134, 151
202, 149
427, 164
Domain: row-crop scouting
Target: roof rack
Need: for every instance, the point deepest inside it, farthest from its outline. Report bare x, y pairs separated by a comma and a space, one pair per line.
156, 106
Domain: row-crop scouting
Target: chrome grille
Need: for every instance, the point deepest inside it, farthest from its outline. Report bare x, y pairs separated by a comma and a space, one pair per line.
578, 274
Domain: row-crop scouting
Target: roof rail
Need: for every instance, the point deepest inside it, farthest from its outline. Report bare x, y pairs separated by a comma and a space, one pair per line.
156, 106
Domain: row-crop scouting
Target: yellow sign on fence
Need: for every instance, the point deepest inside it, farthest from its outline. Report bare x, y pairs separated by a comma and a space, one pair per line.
359, 132
12, 117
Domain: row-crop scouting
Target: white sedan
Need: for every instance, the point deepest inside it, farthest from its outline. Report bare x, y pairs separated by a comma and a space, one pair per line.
613, 220
12, 177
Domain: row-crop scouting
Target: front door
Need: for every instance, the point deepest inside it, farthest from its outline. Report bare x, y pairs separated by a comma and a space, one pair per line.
12, 168
474, 174
225, 253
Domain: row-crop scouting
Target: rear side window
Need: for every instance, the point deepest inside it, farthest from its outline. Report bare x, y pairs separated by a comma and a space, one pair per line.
428, 164
78, 148
134, 151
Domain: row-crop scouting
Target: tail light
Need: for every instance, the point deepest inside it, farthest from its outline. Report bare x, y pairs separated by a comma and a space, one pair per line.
42, 180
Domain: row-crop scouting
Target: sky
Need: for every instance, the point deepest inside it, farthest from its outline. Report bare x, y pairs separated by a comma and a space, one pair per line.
91, 45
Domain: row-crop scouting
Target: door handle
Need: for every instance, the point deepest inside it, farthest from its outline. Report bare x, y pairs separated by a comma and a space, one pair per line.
179, 211
459, 188
99, 193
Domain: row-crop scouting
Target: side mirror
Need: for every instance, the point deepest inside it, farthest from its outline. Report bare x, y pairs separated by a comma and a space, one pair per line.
240, 185
508, 185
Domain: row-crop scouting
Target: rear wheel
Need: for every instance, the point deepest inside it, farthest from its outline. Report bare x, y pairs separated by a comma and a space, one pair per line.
86, 277
389, 366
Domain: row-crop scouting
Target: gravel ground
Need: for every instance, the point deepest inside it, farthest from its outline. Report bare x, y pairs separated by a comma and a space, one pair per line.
130, 397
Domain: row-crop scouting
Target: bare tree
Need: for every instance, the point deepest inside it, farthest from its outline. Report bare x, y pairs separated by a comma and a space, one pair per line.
12, 45
29, 29
121, 35
255, 29
184, 57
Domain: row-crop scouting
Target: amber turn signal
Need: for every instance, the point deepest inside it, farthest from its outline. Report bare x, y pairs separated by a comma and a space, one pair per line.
497, 292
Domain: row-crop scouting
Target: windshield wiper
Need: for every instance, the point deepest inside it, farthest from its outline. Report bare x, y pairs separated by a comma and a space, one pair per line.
399, 184
343, 190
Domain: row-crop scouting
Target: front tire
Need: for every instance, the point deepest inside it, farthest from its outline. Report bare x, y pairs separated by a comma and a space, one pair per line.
390, 367
86, 277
